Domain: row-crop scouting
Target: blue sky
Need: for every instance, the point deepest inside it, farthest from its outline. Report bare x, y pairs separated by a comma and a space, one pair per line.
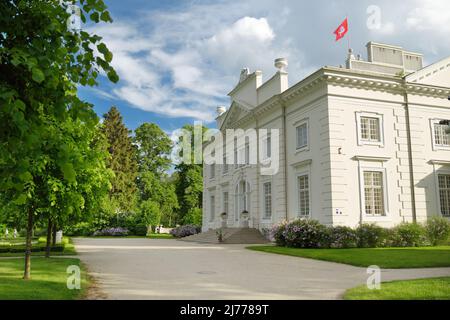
177, 60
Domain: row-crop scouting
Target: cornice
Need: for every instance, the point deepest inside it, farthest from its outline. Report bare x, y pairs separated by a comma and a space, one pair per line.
349, 79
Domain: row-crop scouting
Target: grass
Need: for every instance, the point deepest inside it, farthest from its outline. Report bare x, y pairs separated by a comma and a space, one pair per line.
160, 236
395, 258
48, 280
421, 289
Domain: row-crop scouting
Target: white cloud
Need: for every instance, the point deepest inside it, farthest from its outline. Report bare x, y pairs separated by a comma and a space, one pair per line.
432, 15
183, 61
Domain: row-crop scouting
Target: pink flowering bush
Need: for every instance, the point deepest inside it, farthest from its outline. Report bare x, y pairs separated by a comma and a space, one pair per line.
343, 237
302, 234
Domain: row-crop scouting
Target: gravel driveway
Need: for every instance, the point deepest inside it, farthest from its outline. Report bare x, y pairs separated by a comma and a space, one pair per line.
139, 268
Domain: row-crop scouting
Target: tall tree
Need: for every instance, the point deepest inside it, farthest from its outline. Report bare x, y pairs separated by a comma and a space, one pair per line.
157, 195
189, 184
42, 61
154, 148
122, 161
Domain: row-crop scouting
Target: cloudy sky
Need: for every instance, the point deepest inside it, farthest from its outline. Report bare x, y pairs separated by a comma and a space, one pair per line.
177, 60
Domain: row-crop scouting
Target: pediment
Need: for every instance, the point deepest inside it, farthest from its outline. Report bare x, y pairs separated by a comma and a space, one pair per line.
436, 74
235, 113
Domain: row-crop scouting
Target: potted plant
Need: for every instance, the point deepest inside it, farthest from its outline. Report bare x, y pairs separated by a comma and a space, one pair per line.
245, 215
220, 235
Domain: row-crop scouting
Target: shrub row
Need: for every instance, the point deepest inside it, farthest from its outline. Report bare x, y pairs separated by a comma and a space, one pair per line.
35, 248
184, 231
312, 234
114, 232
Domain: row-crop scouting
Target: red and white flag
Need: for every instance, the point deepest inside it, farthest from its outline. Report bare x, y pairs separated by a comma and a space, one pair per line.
341, 30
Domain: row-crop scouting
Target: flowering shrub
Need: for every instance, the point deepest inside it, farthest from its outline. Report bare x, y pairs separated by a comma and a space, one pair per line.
277, 234
184, 231
342, 237
407, 235
303, 234
116, 232
371, 236
437, 229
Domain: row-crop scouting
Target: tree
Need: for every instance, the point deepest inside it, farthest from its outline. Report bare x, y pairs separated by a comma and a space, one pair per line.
42, 61
122, 161
189, 186
157, 198
154, 148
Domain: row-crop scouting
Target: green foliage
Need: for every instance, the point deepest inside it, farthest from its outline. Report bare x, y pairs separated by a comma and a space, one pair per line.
48, 165
370, 236
407, 235
154, 148
194, 216
302, 233
189, 185
342, 237
157, 200
437, 229
122, 161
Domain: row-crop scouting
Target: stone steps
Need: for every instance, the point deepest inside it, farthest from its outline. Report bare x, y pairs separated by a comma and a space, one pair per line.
230, 236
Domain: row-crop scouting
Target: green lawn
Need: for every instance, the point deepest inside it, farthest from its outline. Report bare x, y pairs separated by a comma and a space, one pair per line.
395, 258
421, 289
161, 236
48, 280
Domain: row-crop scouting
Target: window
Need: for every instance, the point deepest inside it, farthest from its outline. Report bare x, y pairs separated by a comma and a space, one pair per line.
212, 208
303, 195
267, 189
370, 129
267, 145
440, 137
374, 193
247, 153
444, 193
235, 153
212, 168
302, 136
225, 202
224, 161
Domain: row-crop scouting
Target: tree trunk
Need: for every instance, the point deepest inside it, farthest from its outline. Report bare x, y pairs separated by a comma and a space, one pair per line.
49, 238
54, 234
26, 274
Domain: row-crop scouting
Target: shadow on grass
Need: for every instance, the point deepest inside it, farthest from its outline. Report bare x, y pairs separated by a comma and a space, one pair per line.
48, 280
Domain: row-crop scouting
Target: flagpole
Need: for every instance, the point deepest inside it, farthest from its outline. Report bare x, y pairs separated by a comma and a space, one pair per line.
348, 33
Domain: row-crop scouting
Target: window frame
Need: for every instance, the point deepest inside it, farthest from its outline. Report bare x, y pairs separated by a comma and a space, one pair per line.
298, 176
374, 115
225, 208
212, 207
385, 193
443, 172
436, 146
212, 171
266, 217
301, 123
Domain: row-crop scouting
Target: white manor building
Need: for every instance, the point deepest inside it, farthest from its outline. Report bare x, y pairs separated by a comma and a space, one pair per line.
357, 144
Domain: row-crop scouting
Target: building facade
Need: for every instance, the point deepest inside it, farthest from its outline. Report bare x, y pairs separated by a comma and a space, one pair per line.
356, 144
